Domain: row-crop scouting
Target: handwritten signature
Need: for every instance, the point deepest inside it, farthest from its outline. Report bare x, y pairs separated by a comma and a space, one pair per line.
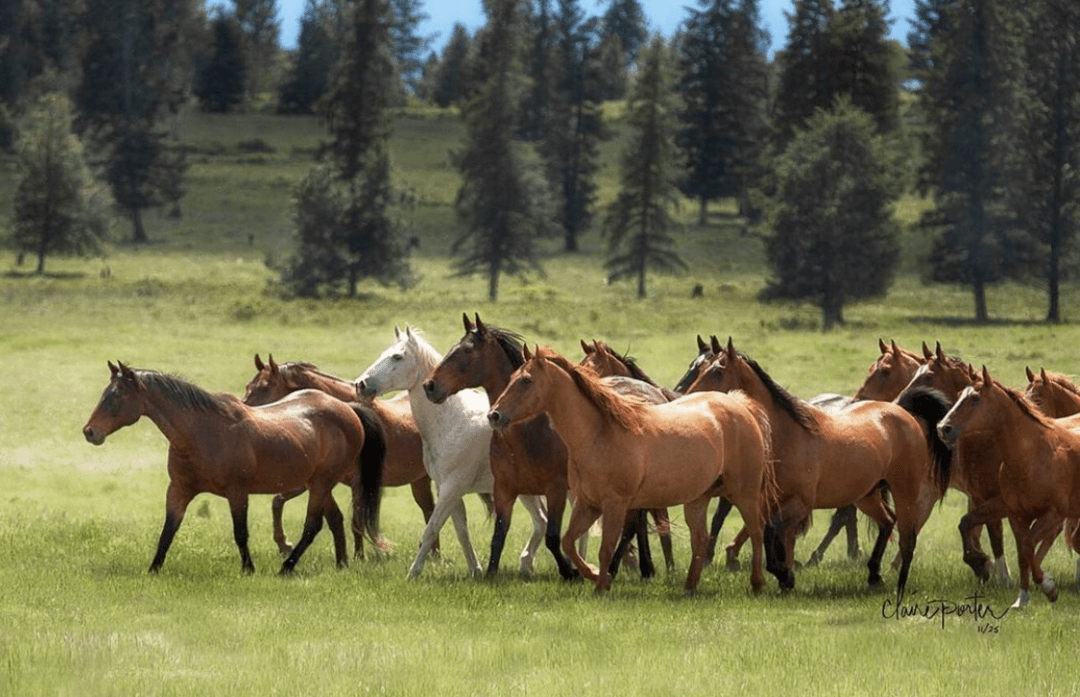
972, 607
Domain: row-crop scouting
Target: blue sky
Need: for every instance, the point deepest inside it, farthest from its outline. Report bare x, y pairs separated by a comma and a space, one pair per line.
663, 16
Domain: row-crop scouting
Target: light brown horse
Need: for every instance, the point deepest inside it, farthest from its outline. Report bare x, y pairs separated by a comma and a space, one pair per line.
218, 444
627, 455
890, 373
1040, 469
404, 463
828, 459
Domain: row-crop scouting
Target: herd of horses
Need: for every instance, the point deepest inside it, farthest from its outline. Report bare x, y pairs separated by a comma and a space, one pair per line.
494, 418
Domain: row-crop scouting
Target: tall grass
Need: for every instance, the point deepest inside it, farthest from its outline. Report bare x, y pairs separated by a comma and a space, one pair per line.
78, 524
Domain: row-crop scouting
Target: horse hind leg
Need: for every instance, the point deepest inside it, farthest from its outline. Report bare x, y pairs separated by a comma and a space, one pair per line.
582, 516
238, 507
535, 506
336, 522
722, 510
277, 509
662, 521
312, 525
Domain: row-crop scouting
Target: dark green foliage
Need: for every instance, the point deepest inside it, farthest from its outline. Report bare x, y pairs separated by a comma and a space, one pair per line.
612, 78
449, 84
808, 75
219, 84
1050, 142
969, 99
59, 206
131, 70
867, 63
408, 47
313, 62
259, 29
831, 237
626, 20
503, 198
639, 221
723, 85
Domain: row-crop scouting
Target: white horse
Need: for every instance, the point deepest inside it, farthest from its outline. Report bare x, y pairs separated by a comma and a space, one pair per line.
457, 438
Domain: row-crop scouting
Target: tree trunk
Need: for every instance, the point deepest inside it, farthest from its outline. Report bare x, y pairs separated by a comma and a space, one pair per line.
641, 283
703, 212
981, 315
139, 235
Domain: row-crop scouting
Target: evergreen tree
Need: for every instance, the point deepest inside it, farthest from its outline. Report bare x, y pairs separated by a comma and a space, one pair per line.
831, 235
723, 87
451, 81
808, 68
611, 60
129, 87
503, 198
259, 27
969, 101
868, 64
60, 208
639, 220
345, 217
408, 47
626, 20
1048, 201
219, 84
543, 72
314, 60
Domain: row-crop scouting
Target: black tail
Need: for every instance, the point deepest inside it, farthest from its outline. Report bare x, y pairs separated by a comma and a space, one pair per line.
370, 462
930, 406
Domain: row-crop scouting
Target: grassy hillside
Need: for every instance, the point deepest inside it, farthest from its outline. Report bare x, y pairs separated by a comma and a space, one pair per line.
78, 523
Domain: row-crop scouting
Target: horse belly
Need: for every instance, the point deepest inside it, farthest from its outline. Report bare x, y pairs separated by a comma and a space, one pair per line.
676, 475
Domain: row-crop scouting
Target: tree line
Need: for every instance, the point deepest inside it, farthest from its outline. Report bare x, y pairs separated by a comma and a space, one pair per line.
980, 114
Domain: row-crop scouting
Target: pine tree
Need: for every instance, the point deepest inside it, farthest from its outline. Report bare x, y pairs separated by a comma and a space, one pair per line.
312, 63
626, 20
259, 29
1051, 139
639, 220
723, 87
831, 235
868, 64
450, 83
808, 68
408, 47
130, 85
503, 198
60, 208
219, 84
969, 100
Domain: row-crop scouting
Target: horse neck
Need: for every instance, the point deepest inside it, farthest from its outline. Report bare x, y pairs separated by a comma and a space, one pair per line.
574, 416
496, 375
1064, 402
333, 386
176, 422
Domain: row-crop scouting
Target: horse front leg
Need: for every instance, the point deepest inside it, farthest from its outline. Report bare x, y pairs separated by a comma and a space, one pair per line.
336, 522
983, 513
662, 521
875, 507
582, 516
461, 527
721, 514
504, 498
556, 503
421, 493
238, 507
176, 503
277, 509
1022, 535
449, 499
313, 522
696, 515
614, 520
1043, 531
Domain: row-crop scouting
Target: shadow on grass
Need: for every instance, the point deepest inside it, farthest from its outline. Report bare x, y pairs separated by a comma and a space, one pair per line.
992, 323
52, 275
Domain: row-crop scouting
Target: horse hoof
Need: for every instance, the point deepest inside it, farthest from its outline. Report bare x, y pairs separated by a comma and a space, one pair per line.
1021, 600
285, 571
733, 564
814, 559
874, 581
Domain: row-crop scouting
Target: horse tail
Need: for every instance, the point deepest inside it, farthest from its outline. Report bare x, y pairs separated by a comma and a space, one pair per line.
930, 406
370, 463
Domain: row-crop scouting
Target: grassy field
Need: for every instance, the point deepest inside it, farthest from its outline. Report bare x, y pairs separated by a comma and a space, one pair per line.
78, 524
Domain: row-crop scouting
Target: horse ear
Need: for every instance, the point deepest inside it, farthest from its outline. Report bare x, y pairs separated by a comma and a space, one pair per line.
714, 345
882, 346
926, 352
730, 348
527, 354
258, 363
939, 352
113, 369
1043, 375
465, 320
125, 372
1030, 375
479, 324
397, 332
986, 375
586, 348
273, 365
702, 347
893, 347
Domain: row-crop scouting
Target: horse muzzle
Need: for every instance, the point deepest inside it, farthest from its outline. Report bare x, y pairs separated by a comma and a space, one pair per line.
364, 389
498, 420
948, 434
93, 436
434, 393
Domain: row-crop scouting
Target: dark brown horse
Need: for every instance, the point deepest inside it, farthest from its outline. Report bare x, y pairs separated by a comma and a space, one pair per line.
219, 445
1038, 474
404, 463
628, 455
829, 459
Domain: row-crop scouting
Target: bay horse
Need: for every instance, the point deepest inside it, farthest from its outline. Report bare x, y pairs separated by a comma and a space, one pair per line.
827, 459
977, 460
404, 461
219, 445
1039, 470
627, 455
457, 442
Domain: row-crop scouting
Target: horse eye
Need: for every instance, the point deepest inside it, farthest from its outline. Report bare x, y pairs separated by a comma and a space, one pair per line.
526, 380
398, 356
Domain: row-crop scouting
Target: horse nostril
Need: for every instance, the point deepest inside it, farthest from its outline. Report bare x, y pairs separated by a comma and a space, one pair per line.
494, 418
429, 386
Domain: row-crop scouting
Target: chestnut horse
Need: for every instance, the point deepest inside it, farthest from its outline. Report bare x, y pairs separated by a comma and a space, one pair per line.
457, 442
404, 463
977, 460
218, 444
827, 459
1039, 468
627, 455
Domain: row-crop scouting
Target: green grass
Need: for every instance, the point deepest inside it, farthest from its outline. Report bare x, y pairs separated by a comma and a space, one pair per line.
78, 524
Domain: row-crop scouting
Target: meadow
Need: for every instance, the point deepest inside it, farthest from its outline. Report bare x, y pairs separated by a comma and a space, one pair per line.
78, 524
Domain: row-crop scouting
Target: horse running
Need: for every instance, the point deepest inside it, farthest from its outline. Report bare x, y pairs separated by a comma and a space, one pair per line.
218, 444
627, 455
829, 459
457, 440
404, 463
1038, 475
